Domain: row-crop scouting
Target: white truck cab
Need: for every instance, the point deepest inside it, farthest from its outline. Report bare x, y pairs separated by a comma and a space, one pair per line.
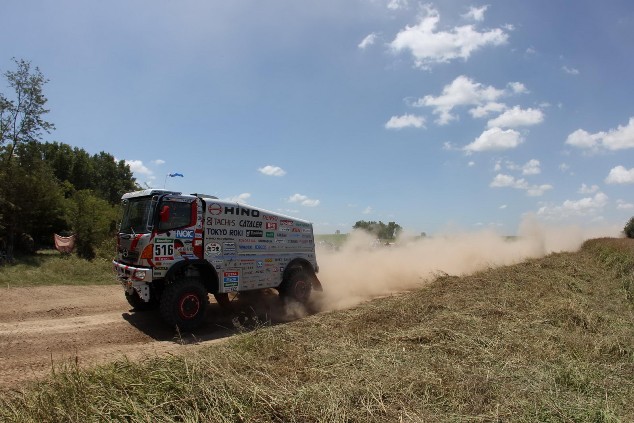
174, 249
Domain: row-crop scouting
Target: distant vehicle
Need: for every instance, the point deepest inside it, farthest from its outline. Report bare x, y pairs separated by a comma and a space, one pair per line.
173, 250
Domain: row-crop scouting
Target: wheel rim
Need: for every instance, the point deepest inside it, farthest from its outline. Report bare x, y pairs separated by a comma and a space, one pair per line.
301, 290
188, 306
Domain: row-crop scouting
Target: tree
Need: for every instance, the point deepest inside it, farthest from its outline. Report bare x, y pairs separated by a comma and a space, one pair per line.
92, 220
629, 228
379, 229
21, 118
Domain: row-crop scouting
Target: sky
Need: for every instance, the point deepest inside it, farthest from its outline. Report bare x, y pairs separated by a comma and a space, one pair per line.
438, 116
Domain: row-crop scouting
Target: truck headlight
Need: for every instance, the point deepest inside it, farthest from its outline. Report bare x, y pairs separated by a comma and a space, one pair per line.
139, 275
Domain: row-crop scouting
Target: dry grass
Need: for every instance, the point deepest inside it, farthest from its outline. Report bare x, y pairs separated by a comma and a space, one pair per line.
548, 340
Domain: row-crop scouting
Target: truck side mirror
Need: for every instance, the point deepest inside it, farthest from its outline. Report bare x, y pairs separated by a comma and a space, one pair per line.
164, 215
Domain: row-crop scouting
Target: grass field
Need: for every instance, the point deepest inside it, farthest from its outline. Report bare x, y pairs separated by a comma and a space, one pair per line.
546, 340
49, 267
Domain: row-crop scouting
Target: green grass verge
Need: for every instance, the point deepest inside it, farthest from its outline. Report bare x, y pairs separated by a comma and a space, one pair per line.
547, 340
48, 267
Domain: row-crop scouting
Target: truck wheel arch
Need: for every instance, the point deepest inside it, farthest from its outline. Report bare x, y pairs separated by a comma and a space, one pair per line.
202, 268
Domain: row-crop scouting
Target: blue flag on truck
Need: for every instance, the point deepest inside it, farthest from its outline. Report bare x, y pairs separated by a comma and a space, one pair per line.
171, 175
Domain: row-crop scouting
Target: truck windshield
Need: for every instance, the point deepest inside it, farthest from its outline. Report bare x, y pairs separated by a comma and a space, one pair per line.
138, 214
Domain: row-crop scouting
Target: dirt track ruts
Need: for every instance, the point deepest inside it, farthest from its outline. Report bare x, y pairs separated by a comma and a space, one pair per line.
45, 326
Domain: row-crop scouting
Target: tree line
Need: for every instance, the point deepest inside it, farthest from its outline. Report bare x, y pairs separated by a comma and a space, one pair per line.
379, 229
51, 187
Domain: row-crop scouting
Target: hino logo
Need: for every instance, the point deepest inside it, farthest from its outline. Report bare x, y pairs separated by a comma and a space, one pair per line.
239, 211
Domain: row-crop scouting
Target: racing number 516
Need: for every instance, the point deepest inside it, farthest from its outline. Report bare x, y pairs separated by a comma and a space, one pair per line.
162, 250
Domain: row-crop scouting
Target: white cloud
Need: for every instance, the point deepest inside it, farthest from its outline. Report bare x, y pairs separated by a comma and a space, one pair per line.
538, 190
587, 206
429, 47
503, 206
518, 87
397, 4
241, 198
516, 116
272, 171
484, 111
303, 200
137, 166
471, 163
620, 138
570, 71
583, 139
399, 122
476, 13
507, 181
462, 91
623, 205
620, 175
367, 210
367, 41
495, 139
532, 167
158, 162
585, 189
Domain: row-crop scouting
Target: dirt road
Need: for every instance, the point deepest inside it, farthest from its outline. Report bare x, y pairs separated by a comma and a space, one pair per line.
45, 326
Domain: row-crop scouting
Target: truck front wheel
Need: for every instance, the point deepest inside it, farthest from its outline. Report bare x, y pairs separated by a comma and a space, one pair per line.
183, 303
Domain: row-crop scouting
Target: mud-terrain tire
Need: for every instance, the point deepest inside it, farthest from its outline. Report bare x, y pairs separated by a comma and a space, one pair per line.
137, 303
184, 303
297, 287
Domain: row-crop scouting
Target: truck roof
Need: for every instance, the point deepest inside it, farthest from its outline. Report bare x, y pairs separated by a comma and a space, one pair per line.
148, 192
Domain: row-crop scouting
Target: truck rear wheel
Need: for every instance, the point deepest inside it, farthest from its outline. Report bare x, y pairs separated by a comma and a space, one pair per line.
183, 303
297, 287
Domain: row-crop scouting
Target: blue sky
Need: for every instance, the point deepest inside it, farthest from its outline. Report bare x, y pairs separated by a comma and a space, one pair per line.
452, 114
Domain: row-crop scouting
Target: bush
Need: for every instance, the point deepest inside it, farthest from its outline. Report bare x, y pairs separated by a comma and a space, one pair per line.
629, 228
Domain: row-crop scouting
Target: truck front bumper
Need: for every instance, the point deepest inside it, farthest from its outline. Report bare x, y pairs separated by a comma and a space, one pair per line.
127, 274
134, 279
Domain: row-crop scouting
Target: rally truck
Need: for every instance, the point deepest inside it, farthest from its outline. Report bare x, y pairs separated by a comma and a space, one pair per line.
174, 249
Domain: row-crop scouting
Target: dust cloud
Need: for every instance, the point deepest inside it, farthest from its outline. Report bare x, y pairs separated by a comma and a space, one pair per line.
361, 269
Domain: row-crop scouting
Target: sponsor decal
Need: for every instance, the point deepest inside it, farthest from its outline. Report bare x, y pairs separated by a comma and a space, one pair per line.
306, 230
296, 230
250, 224
213, 249
270, 218
285, 229
214, 209
184, 233
271, 225
260, 264
286, 222
217, 263
241, 211
261, 247
224, 232
270, 234
216, 221
302, 224
163, 249
229, 247
251, 233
